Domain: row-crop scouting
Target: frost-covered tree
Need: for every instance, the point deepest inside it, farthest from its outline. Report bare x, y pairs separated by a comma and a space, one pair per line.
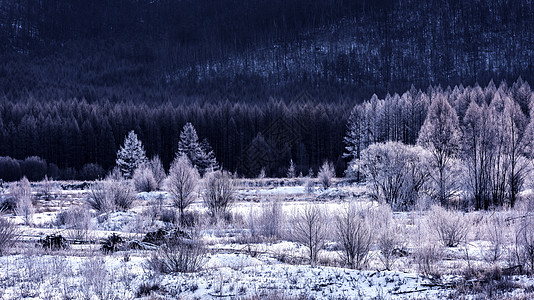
353, 138
219, 193
157, 170
354, 235
397, 173
182, 183
309, 229
512, 129
199, 153
440, 135
131, 155
291, 172
326, 173
22, 192
479, 138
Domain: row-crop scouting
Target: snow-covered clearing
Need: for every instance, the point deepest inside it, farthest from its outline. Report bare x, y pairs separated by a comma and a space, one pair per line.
246, 258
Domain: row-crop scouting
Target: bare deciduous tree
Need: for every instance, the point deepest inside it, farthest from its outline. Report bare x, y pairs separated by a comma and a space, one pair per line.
182, 182
219, 189
354, 235
8, 235
22, 192
309, 229
47, 188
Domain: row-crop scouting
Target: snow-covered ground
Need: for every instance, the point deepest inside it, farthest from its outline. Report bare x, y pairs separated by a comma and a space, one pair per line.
241, 263
230, 275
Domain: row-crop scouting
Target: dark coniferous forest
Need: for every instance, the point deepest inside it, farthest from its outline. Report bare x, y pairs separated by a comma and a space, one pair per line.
262, 81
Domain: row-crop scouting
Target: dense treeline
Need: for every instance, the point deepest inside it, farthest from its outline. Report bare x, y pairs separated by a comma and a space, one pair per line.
251, 50
244, 137
474, 144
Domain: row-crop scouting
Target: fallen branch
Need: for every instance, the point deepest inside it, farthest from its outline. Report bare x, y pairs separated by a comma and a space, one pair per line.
409, 292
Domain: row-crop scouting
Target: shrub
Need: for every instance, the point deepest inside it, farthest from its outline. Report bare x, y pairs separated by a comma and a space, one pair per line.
389, 245
111, 243
524, 245
219, 193
450, 226
77, 222
47, 188
494, 232
157, 169
354, 235
146, 289
110, 195
95, 279
182, 182
22, 192
268, 222
271, 219
426, 257
54, 242
143, 179
99, 198
309, 229
8, 235
326, 173
182, 256
388, 239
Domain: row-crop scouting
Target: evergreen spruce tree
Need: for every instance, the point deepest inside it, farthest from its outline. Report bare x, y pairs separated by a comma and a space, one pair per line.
199, 153
291, 172
131, 155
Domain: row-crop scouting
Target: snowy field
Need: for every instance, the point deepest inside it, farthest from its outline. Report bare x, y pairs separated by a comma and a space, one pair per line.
243, 261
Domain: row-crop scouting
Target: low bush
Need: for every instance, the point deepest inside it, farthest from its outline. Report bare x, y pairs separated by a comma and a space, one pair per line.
451, 227
427, 257
354, 235
326, 174
144, 180
146, 289
179, 257
269, 222
8, 235
112, 243
110, 195
54, 242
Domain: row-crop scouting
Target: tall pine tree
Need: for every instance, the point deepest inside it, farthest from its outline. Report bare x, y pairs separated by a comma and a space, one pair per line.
131, 155
199, 153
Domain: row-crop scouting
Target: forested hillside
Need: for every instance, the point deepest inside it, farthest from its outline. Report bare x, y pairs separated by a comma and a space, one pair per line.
251, 50
263, 81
